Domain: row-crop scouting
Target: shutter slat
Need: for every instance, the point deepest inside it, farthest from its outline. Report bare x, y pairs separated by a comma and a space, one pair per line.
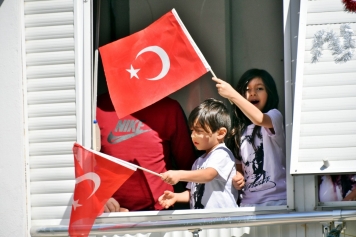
326, 6
40, 123
39, 7
51, 148
330, 18
52, 161
336, 141
311, 30
46, 187
47, 97
315, 117
63, 70
343, 91
334, 79
327, 129
49, 32
329, 67
325, 57
47, 84
58, 109
52, 174
50, 45
48, 58
330, 154
51, 19
53, 135
329, 104
51, 200
45, 213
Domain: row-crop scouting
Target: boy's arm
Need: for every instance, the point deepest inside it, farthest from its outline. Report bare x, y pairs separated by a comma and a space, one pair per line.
238, 181
184, 196
197, 176
169, 198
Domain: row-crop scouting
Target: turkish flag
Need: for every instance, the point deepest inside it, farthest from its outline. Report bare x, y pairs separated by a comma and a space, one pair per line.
148, 65
97, 177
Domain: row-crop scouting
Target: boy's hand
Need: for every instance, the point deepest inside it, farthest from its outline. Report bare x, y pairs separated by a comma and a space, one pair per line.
167, 199
238, 181
171, 177
113, 206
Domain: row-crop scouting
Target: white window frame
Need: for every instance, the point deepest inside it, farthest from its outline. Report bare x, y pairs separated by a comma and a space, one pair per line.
299, 169
107, 218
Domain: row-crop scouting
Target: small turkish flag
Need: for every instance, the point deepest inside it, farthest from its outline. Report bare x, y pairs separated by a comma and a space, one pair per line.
97, 177
149, 65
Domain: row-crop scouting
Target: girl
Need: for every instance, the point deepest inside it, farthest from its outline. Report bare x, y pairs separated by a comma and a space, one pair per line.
257, 138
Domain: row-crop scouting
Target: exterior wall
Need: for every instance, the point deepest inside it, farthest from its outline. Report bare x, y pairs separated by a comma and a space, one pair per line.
13, 220
13, 217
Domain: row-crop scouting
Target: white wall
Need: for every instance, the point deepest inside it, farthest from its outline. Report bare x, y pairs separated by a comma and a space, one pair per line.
12, 162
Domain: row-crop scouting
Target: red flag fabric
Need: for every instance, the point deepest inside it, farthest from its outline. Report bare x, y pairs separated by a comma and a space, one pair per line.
97, 177
148, 65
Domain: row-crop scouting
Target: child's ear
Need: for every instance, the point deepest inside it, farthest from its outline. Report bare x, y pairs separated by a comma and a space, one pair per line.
222, 133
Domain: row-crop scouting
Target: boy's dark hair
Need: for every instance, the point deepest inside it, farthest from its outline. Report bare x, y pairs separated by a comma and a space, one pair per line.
239, 119
211, 115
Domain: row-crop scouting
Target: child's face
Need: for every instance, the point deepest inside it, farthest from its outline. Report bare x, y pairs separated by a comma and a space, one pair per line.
256, 93
203, 140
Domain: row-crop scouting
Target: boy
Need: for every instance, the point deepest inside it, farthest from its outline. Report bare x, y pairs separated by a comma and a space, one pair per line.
210, 180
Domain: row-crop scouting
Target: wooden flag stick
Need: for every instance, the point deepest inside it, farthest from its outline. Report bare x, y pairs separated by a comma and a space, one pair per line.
149, 171
122, 162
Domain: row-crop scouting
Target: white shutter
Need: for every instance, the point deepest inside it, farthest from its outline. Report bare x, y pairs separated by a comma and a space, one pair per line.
324, 122
55, 104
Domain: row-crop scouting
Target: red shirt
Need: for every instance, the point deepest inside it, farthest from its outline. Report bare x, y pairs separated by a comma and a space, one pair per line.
151, 138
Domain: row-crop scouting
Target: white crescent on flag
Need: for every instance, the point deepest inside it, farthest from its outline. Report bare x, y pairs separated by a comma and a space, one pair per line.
164, 59
91, 176
88, 176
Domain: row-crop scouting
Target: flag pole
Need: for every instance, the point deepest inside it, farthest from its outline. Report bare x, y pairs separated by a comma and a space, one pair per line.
120, 161
149, 171
211, 70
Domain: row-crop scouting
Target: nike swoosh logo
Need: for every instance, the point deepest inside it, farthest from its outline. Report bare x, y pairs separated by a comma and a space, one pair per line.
112, 139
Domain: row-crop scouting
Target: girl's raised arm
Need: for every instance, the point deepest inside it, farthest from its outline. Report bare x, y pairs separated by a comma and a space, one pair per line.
252, 112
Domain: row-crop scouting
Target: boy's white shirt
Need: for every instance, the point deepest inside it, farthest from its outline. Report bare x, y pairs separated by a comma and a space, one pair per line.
268, 182
218, 193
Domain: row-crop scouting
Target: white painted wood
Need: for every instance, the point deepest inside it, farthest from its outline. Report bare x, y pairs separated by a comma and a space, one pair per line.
48, 45
52, 174
312, 29
325, 108
49, 6
46, 161
48, 187
49, 32
48, 84
330, 17
50, 58
335, 79
51, 148
326, 6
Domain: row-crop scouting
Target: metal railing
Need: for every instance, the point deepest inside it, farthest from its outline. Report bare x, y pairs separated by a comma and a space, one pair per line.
196, 224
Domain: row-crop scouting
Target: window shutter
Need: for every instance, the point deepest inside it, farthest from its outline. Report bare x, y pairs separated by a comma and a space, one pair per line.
53, 85
324, 122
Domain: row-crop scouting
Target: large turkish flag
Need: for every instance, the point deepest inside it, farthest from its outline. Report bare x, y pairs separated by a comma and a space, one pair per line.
146, 66
97, 177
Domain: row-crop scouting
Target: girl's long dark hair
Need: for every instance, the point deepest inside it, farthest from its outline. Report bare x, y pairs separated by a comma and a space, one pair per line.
239, 119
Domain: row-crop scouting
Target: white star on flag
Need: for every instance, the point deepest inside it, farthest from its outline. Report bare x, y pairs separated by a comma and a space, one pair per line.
133, 72
75, 204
